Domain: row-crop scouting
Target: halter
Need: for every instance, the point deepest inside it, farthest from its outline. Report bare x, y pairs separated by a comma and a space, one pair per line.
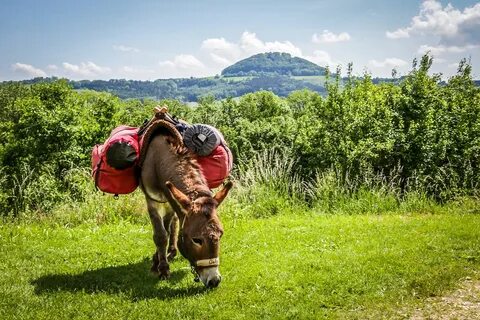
204, 263
213, 262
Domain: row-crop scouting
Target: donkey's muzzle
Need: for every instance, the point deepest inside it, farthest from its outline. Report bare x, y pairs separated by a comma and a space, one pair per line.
214, 282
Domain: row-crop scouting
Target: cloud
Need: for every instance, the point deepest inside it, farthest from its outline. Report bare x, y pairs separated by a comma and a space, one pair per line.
388, 62
322, 58
220, 60
183, 61
398, 34
223, 53
85, 70
330, 37
123, 48
221, 45
250, 44
440, 49
28, 70
451, 25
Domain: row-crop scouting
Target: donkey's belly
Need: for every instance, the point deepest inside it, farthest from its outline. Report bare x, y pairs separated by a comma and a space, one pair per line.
154, 194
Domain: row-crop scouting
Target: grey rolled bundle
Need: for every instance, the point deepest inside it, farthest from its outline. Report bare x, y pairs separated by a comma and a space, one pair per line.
202, 139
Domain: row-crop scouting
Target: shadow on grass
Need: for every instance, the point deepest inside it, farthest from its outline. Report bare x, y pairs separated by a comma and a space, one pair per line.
132, 280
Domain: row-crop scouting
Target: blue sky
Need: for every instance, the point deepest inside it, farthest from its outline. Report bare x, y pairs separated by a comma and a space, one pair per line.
146, 39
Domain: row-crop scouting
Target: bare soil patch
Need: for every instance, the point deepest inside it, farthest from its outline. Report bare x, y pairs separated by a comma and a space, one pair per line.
463, 303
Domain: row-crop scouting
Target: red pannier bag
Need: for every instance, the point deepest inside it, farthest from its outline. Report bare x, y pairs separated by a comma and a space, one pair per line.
216, 166
114, 163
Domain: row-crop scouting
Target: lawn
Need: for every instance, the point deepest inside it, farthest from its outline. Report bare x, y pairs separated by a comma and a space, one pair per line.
297, 266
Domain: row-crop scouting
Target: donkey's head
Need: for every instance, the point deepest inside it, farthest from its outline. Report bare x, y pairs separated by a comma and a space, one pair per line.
199, 238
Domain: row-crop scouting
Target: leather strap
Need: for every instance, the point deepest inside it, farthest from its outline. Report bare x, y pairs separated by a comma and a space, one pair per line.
213, 262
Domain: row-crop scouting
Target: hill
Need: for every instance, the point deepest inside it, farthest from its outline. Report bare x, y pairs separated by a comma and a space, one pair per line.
273, 63
193, 89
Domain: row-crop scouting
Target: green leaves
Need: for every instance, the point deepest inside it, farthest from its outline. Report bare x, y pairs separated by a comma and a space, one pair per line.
419, 131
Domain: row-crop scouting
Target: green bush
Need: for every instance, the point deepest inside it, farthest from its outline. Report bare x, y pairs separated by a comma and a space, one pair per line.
415, 138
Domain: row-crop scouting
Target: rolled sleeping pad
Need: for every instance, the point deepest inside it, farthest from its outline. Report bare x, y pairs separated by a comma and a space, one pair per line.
202, 139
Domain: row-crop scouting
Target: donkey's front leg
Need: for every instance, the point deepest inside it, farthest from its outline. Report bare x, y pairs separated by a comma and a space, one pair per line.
172, 224
160, 238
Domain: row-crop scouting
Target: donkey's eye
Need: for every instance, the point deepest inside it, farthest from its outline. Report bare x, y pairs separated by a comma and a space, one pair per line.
197, 241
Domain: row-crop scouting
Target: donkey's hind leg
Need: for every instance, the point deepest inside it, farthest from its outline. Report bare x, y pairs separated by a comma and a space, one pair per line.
160, 265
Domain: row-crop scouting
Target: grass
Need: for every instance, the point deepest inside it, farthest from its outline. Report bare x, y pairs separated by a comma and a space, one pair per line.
286, 266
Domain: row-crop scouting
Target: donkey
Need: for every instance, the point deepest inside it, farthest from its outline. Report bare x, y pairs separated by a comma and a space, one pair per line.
178, 197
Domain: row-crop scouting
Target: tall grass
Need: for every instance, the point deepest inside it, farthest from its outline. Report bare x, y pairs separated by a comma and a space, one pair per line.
269, 185
265, 186
79, 202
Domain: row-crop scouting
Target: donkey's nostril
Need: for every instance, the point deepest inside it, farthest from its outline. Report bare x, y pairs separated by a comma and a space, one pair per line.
213, 283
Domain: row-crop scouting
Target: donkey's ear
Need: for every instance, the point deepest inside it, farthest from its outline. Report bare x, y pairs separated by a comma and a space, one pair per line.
178, 195
220, 195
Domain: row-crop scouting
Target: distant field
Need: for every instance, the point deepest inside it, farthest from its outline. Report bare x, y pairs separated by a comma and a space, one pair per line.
237, 79
295, 267
318, 80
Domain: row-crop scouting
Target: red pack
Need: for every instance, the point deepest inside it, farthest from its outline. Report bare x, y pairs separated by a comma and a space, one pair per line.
216, 166
114, 163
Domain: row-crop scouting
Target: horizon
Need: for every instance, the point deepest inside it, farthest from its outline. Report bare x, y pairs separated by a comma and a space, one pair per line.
153, 40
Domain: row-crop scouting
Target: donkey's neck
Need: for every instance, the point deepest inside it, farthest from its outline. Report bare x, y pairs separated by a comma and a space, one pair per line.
191, 180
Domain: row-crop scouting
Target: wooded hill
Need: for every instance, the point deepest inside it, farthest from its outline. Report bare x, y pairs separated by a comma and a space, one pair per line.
277, 72
273, 63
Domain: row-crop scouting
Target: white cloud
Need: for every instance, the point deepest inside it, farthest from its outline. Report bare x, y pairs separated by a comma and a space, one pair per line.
223, 53
183, 61
221, 45
85, 70
220, 60
398, 34
388, 62
28, 70
52, 67
440, 49
322, 58
250, 44
123, 48
451, 25
330, 37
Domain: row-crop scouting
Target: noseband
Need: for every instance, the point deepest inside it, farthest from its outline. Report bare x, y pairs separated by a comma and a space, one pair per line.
213, 262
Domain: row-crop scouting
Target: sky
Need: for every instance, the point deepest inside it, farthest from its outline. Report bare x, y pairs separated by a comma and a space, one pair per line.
159, 39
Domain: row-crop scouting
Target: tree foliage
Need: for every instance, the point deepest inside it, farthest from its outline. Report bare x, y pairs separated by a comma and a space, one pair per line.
420, 133
273, 63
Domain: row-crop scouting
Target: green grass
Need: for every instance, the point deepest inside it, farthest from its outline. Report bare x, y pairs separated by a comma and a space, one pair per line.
286, 266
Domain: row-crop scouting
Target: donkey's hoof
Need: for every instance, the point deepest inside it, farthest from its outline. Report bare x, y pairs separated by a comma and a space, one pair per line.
154, 270
163, 271
164, 275
172, 253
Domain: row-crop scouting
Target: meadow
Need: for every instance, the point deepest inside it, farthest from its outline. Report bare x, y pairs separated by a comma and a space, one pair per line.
296, 264
361, 204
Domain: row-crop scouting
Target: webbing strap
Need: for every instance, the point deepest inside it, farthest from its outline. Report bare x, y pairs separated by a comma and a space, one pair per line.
213, 262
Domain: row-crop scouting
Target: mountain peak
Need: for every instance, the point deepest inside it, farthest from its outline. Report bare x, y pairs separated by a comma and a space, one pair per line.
273, 63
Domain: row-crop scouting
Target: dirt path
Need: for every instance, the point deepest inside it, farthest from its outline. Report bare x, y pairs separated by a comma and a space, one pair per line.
463, 303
